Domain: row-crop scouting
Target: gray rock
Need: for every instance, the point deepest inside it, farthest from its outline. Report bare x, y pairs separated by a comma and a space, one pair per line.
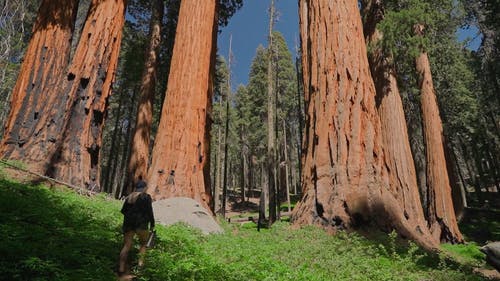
492, 251
182, 209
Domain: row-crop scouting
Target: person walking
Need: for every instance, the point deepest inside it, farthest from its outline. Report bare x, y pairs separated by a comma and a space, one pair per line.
138, 213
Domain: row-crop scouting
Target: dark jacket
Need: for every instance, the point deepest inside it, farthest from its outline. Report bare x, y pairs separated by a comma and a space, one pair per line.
138, 212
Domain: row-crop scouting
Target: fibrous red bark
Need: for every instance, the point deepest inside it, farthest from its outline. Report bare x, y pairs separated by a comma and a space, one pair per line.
180, 154
345, 176
31, 128
139, 154
88, 86
441, 215
398, 156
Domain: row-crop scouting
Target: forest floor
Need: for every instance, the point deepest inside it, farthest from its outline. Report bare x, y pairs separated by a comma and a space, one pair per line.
51, 233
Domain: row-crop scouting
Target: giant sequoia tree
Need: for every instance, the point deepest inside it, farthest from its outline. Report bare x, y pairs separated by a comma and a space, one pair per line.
180, 153
31, 128
441, 213
404, 25
392, 118
345, 179
88, 85
139, 155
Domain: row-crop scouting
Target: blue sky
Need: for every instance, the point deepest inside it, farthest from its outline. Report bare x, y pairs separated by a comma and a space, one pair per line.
249, 28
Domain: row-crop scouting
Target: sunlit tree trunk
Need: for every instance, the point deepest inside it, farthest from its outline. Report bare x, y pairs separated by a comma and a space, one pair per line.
31, 128
180, 154
88, 86
441, 215
395, 140
345, 178
139, 157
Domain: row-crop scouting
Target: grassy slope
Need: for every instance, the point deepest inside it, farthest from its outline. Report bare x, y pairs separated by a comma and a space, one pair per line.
53, 234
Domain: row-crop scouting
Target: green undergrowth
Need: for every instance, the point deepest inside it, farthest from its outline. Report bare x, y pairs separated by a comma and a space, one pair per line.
56, 234
468, 253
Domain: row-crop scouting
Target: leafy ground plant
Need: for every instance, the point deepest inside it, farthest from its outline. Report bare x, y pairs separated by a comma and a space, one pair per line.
56, 234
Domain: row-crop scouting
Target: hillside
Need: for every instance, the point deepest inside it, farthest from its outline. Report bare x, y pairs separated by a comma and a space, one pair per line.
57, 234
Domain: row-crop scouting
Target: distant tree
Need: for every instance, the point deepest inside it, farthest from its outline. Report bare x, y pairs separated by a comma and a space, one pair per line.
485, 140
272, 181
121, 104
345, 179
287, 119
251, 106
15, 19
221, 90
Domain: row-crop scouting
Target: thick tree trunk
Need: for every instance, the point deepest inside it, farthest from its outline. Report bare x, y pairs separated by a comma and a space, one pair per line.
139, 157
345, 179
441, 215
88, 86
181, 144
31, 128
395, 140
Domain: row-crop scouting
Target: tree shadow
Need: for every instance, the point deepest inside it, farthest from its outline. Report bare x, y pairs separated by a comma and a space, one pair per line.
481, 225
52, 236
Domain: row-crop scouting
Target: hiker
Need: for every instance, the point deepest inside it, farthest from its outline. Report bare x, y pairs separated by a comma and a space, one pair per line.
138, 213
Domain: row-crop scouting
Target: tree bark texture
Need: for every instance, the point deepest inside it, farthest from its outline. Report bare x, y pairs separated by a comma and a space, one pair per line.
395, 139
88, 86
441, 215
139, 158
31, 128
180, 154
345, 179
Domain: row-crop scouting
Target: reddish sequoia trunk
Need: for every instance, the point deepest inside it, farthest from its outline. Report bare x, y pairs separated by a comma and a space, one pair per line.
395, 138
441, 215
88, 86
139, 157
31, 129
181, 144
345, 180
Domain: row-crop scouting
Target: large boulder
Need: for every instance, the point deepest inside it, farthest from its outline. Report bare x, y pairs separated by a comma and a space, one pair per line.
182, 209
492, 251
